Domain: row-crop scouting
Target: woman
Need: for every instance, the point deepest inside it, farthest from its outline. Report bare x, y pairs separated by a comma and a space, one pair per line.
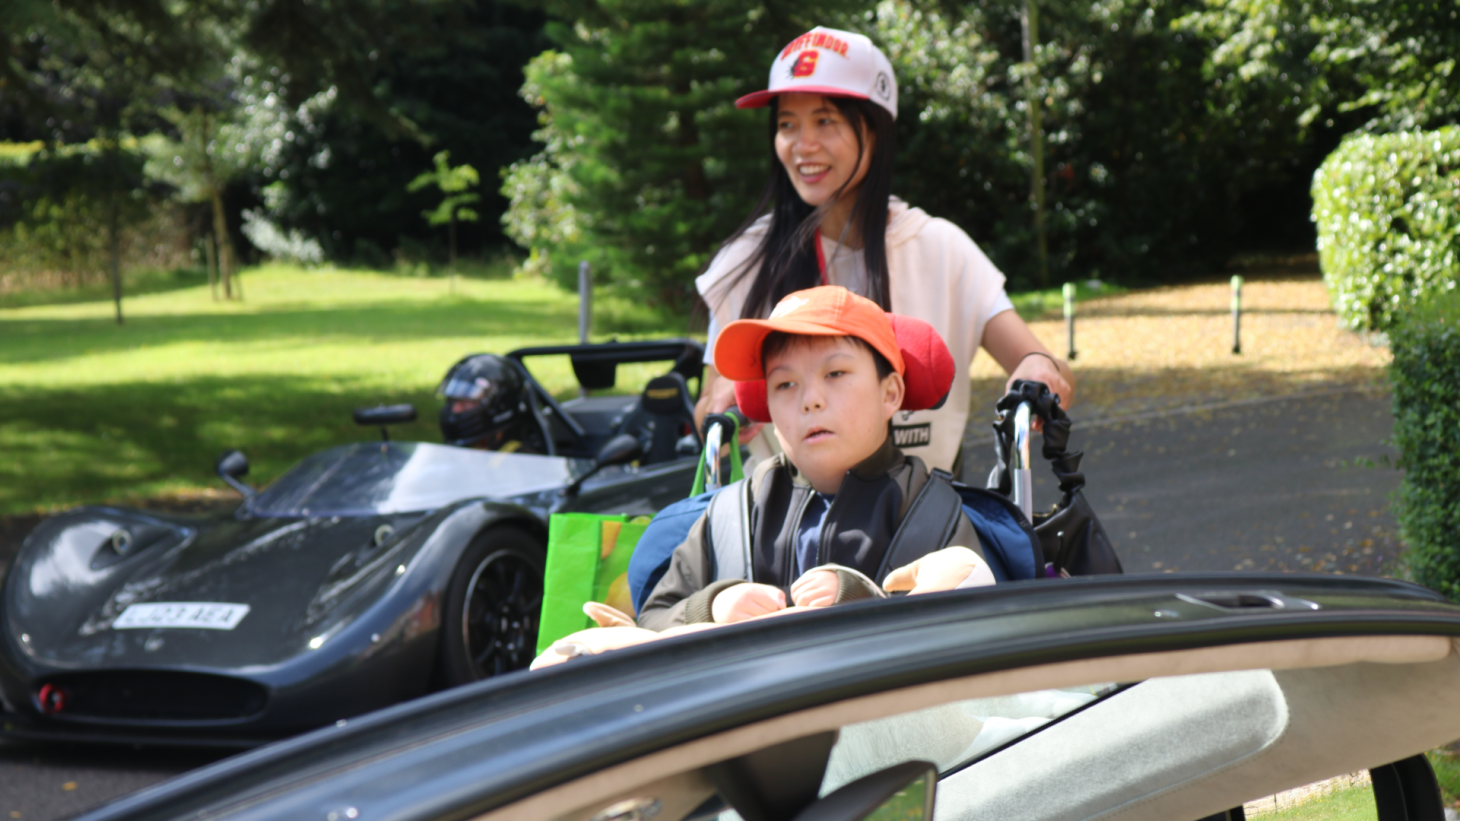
827, 216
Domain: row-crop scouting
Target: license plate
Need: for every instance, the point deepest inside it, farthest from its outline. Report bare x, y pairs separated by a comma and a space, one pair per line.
196, 614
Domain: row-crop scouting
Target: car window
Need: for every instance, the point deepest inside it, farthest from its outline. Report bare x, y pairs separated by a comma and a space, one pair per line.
951, 735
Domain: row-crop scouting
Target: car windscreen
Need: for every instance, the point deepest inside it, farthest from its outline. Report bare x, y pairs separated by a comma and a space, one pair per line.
402, 477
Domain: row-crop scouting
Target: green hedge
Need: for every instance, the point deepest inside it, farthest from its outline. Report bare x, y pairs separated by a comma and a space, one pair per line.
1426, 377
1388, 215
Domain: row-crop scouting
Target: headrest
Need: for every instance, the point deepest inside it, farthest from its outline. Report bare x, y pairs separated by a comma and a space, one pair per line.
665, 395
929, 373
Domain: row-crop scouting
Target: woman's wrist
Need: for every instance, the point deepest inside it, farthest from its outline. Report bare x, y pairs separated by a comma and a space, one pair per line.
1056, 362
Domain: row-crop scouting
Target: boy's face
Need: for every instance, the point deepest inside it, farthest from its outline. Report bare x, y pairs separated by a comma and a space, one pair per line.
829, 409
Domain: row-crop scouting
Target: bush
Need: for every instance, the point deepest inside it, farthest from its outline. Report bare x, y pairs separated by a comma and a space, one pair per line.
1388, 215
1426, 377
55, 209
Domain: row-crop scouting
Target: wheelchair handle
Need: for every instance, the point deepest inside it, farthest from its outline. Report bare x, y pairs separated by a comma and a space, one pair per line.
1019, 459
716, 427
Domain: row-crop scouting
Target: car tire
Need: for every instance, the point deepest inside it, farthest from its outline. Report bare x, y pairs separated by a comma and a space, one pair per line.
493, 604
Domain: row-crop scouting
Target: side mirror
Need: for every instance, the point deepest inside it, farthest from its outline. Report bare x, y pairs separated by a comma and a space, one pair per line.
384, 415
900, 793
619, 450
233, 466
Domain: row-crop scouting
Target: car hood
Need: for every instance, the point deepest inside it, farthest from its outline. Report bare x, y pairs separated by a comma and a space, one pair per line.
67, 586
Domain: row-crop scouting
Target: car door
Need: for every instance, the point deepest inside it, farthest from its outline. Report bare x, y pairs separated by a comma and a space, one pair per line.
1163, 698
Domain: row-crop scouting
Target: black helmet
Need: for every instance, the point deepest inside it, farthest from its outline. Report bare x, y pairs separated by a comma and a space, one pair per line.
496, 388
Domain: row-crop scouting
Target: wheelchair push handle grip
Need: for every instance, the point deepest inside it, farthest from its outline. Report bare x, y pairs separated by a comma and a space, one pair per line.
720, 429
730, 415
1024, 402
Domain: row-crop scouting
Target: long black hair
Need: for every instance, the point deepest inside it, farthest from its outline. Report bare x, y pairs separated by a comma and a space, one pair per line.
785, 261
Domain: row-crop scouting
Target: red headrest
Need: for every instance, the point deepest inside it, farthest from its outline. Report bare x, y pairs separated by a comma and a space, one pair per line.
929, 374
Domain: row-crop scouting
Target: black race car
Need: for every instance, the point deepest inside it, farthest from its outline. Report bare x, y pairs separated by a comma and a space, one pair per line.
369, 573
1109, 698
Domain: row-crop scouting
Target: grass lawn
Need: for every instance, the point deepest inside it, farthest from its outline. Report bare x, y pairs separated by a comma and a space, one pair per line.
1446, 763
1351, 804
95, 411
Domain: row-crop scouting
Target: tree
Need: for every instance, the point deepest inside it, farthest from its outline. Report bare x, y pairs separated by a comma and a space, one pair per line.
75, 206
350, 53
1153, 168
209, 152
94, 71
1393, 61
646, 156
453, 182
341, 178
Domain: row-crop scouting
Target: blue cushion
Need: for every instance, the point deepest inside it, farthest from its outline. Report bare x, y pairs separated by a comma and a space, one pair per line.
656, 547
1006, 545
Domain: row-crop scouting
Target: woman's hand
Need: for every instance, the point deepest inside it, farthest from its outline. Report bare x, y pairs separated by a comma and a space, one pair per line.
717, 395
1036, 368
1020, 353
817, 588
745, 601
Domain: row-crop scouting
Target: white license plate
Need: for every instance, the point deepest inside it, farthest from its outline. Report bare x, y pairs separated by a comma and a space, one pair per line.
207, 615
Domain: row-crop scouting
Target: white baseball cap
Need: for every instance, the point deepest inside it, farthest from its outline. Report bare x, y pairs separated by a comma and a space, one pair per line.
832, 62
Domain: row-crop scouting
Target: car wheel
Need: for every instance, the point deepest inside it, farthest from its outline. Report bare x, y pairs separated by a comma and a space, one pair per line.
489, 624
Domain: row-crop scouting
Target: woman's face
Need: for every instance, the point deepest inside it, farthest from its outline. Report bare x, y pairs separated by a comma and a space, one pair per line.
818, 147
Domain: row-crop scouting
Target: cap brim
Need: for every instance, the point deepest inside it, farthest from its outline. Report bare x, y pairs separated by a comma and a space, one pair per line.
737, 350
761, 99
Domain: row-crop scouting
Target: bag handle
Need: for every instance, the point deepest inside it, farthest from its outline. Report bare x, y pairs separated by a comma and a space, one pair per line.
716, 425
1046, 406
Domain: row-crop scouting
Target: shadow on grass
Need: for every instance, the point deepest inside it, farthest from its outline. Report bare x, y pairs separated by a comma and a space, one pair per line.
70, 446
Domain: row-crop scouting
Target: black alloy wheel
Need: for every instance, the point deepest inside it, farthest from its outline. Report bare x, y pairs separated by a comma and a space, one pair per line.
493, 607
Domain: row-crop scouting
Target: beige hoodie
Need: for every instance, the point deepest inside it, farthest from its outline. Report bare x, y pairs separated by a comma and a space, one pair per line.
938, 275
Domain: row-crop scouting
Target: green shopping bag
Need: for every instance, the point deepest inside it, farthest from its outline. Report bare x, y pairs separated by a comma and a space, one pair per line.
587, 560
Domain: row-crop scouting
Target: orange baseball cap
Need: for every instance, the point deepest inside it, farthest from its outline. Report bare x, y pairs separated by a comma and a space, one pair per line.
829, 310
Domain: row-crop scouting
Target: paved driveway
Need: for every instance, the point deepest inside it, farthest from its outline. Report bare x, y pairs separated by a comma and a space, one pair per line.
1292, 484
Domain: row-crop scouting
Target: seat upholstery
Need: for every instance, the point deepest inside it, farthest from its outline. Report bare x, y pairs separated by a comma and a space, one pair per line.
666, 401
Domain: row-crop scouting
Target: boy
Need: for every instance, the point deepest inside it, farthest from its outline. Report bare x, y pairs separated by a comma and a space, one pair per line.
820, 523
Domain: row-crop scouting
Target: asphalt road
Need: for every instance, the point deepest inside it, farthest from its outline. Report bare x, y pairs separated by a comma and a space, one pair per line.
1301, 484
48, 781
1296, 484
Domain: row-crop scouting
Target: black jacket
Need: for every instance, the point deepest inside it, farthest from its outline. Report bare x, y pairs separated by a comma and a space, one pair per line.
869, 509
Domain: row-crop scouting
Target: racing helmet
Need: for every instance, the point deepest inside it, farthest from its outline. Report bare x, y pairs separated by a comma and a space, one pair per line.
483, 397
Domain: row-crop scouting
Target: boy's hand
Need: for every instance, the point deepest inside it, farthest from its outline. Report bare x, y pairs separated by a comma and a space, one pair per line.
947, 569
817, 588
745, 601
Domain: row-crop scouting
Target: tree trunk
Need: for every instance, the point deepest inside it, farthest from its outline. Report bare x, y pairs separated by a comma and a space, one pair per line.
1030, 26
114, 251
451, 252
225, 246
696, 184
210, 253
